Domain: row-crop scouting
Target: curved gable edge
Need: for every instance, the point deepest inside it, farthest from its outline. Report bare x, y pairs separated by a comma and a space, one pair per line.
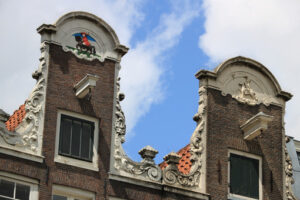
212, 79
102, 40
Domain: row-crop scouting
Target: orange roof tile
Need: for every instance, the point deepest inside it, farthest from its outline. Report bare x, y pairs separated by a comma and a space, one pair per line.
185, 164
16, 118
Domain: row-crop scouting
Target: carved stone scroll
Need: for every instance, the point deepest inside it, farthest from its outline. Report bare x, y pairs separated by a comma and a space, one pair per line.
171, 174
27, 135
145, 170
289, 180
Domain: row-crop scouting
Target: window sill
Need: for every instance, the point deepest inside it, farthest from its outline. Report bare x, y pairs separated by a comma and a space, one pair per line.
77, 163
239, 197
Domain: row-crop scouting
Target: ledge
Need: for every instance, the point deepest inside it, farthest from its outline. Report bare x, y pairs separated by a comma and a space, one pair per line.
254, 126
126, 179
185, 192
21, 154
159, 186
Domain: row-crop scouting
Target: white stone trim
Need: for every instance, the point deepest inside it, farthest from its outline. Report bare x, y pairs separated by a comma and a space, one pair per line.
20, 154
297, 145
72, 193
248, 155
72, 161
245, 80
34, 194
115, 198
106, 42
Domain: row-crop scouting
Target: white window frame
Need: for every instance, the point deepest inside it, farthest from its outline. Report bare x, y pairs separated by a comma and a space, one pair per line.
72, 193
73, 161
260, 187
32, 183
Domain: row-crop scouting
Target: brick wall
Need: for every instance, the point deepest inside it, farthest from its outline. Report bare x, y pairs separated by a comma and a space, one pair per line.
225, 115
65, 70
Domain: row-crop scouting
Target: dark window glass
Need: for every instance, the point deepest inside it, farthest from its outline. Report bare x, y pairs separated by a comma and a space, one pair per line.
3, 198
57, 197
298, 154
12, 190
86, 141
7, 188
22, 192
244, 176
65, 136
76, 133
76, 138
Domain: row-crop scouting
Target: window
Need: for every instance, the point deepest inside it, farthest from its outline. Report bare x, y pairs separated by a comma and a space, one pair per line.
68, 193
18, 189
76, 140
244, 176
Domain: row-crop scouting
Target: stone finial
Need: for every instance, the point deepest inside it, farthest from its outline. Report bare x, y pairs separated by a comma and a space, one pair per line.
148, 153
172, 158
3, 116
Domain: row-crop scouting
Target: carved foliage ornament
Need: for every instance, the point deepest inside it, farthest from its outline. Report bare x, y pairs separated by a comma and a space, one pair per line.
171, 174
289, 180
146, 170
27, 132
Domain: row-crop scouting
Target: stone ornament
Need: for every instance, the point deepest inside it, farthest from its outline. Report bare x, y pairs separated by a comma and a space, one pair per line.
246, 80
289, 180
148, 153
246, 94
27, 137
145, 170
85, 35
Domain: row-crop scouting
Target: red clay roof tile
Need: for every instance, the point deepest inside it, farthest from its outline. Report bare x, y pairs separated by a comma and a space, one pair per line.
185, 164
16, 118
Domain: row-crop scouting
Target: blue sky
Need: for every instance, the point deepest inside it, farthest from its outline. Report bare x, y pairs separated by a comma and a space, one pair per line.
169, 42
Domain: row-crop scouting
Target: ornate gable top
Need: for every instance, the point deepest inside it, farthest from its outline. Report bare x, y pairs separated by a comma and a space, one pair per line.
84, 34
246, 80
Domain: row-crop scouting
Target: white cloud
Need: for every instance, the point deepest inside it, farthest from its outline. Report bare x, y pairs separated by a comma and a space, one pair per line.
267, 31
143, 66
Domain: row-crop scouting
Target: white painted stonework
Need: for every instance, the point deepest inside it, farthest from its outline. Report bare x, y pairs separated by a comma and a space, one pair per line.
106, 44
26, 140
254, 126
245, 80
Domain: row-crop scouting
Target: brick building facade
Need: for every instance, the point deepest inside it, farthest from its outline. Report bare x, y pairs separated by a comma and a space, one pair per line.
65, 142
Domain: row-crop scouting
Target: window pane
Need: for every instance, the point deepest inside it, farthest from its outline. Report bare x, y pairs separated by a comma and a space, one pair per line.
22, 192
3, 198
244, 174
87, 141
7, 188
57, 197
65, 135
298, 154
76, 129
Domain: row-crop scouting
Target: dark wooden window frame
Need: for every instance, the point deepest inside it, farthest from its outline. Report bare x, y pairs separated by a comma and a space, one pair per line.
249, 156
90, 159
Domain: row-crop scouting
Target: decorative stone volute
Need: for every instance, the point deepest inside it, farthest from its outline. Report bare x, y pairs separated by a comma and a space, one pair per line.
148, 153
